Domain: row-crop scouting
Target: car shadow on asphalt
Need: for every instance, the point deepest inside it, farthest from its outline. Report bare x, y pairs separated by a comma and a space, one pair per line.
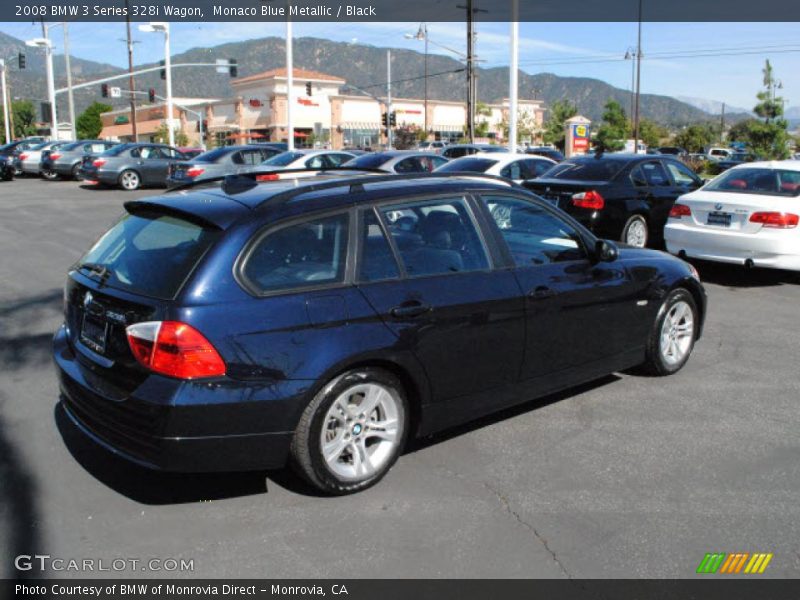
158, 488
739, 276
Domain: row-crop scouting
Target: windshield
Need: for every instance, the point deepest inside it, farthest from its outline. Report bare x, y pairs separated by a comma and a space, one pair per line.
127, 252
771, 182
282, 159
587, 169
368, 161
469, 164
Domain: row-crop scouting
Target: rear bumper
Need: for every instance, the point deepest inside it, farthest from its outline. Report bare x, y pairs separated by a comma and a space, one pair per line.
158, 435
777, 249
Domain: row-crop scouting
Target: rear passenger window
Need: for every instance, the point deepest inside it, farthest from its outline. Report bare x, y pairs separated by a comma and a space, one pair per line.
655, 174
307, 254
377, 259
436, 237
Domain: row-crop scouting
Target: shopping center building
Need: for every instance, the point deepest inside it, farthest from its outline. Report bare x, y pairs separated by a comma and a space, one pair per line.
258, 112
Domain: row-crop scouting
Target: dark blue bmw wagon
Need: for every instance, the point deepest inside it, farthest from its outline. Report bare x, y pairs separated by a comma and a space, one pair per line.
322, 321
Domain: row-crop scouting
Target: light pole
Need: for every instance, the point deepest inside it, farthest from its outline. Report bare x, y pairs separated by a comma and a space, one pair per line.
44, 42
163, 27
630, 54
289, 85
70, 96
6, 119
638, 83
389, 99
422, 34
513, 87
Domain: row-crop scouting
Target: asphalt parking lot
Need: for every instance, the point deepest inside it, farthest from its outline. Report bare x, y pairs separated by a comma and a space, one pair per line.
628, 477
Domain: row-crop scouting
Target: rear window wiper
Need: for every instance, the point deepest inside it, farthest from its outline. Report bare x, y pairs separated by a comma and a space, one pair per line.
96, 268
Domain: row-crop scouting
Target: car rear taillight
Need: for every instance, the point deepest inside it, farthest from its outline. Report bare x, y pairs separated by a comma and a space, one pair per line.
195, 171
775, 219
174, 349
591, 199
268, 177
23, 156
680, 210
99, 162
55, 156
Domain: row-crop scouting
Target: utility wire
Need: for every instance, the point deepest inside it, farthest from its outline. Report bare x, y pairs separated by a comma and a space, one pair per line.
383, 84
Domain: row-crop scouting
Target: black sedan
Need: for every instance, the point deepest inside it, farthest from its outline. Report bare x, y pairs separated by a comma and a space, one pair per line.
625, 197
459, 150
734, 160
131, 166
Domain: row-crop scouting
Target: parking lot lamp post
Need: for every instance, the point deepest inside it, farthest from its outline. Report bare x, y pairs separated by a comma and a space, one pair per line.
6, 119
44, 42
422, 34
512, 78
163, 27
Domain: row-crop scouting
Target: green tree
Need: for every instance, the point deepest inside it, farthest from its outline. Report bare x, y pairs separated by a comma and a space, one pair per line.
526, 127
613, 131
560, 111
651, 133
695, 138
24, 119
88, 125
769, 107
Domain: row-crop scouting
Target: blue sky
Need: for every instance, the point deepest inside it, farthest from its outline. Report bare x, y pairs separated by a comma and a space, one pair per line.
717, 61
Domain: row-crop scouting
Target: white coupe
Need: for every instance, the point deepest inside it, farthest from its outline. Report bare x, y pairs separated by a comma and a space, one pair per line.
748, 215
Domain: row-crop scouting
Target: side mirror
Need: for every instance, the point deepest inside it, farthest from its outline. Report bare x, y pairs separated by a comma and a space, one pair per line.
606, 251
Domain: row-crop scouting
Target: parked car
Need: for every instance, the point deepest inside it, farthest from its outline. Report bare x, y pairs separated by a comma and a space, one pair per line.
131, 166
458, 150
716, 154
436, 146
749, 216
624, 197
7, 169
66, 161
189, 153
220, 161
306, 159
13, 149
516, 167
399, 161
318, 333
28, 161
551, 153
672, 150
735, 159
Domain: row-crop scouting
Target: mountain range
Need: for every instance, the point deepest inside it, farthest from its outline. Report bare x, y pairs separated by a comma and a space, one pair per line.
360, 65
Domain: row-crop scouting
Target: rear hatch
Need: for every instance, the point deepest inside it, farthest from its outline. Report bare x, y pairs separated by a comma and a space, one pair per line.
559, 192
731, 211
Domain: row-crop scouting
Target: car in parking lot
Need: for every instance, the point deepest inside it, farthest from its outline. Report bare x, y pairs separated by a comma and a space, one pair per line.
398, 161
65, 162
551, 153
749, 216
13, 149
435, 146
219, 161
516, 167
28, 162
131, 166
625, 197
458, 150
306, 159
292, 321
735, 159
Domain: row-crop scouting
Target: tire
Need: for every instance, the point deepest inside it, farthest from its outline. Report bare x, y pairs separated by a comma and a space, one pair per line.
50, 175
635, 232
76, 175
673, 334
360, 451
130, 180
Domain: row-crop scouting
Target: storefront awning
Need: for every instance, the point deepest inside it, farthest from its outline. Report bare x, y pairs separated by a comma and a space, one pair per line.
360, 125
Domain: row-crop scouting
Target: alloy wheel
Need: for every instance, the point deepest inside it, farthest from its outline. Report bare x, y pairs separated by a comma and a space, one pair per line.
677, 333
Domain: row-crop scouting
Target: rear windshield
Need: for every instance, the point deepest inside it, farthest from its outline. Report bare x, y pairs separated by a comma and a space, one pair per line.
129, 251
72, 146
469, 164
368, 161
771, 182
212, 155
591, 169
282, 159
117, 150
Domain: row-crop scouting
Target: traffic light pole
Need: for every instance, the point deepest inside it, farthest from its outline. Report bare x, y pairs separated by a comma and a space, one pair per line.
198, 114
135, 73
389, 98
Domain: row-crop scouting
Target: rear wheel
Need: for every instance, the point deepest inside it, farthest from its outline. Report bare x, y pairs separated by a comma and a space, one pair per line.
130, 181
635, 232
76, 173
50, 175
672, 337
352, 432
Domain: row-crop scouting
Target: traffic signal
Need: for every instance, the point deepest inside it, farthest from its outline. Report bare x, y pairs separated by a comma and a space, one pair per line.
21, 60
163, 70
393, 119
151, 94
385, 119
104, 90
308, 88
47, 112
233, 67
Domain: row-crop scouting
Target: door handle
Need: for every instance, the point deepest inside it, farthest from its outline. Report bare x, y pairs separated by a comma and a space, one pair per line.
542, 293
409, 310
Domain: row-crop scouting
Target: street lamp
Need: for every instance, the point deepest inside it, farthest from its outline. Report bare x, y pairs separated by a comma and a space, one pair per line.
163, 27
422, 34
6, 119
45, 43
630, 54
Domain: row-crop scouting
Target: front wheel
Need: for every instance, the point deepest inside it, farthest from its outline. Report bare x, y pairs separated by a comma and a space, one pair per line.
352, 432
635, 232
130, 181
673, 334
